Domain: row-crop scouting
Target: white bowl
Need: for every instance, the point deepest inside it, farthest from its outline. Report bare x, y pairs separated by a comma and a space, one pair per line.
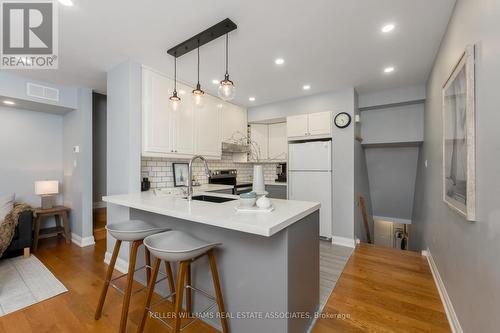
247, 202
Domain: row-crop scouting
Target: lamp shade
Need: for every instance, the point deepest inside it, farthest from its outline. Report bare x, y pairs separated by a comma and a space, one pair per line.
46, 187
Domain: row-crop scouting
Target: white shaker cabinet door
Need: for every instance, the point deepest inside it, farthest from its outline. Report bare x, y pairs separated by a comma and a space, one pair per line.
208, 127
296, 126
320, 123
156, 113
278, 143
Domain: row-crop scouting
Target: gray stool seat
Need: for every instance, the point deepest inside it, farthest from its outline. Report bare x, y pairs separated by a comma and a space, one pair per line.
176, 246
133, 230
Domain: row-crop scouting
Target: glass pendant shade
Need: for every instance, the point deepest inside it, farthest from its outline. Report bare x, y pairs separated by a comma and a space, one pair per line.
175, 100
198, 96
226, 89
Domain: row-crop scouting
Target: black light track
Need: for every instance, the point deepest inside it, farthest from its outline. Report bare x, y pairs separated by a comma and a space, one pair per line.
204, 37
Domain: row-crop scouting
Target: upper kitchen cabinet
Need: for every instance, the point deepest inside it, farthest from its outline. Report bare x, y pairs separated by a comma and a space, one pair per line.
208, 119
234, 122
296, 126
310, 126
259, 137
269, 141
156, 115
278, 143
179, 133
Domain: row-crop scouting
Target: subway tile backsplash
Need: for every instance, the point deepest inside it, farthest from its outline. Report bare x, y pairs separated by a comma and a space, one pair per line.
160, 174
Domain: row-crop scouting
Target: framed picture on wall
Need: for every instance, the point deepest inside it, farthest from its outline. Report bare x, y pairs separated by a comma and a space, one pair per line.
181, 174
459, 172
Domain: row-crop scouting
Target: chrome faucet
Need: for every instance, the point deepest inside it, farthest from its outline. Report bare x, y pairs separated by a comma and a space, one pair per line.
190, 174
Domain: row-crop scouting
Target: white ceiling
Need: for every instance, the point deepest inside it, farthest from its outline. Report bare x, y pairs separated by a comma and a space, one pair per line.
329, 44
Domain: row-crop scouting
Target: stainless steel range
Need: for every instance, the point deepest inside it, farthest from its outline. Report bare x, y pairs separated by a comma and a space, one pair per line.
228, 177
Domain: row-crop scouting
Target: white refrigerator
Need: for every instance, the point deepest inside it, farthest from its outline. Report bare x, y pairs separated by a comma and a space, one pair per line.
310, 178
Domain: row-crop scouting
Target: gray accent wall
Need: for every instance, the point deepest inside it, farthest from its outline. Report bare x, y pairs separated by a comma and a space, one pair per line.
77, 184
392, 172
31, 149
466, 253
343, 147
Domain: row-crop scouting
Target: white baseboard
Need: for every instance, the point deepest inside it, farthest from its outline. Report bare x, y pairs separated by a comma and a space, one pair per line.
343, 241
120, 265
445, 299
82, 242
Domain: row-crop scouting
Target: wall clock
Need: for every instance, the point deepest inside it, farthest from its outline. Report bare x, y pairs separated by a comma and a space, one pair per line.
342, 120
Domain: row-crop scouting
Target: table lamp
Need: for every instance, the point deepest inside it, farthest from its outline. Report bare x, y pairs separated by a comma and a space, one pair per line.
47, 189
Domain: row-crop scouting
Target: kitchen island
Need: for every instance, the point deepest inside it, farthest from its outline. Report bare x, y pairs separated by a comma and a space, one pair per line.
268, 262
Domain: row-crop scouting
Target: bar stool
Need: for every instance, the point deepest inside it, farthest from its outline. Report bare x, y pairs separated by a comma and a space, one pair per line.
129, 231
178, 246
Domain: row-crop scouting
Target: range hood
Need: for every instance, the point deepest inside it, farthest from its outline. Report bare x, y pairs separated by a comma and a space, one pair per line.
229, 147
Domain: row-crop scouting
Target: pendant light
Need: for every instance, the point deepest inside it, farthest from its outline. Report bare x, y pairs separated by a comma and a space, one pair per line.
226, 88
174, 98
198, 93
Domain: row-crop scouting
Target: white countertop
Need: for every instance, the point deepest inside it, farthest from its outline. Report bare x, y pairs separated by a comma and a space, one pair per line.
223, 215
275, 183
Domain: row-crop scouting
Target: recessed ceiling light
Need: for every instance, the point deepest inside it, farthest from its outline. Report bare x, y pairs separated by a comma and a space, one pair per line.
251, 99
279, 61
8, 102
388, 27
215, 81
389, 69
306, 87
68, 3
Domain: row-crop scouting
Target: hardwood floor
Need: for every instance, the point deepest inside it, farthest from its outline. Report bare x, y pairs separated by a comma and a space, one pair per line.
385, 290
99, 219
82, 271
382, 290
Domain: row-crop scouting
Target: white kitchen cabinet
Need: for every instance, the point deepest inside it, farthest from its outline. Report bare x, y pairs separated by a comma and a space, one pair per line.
259, 137
183, 128
234, 122
183, 132
297, 125
208, 119
278, 143
320, 123
157, 138
310, 126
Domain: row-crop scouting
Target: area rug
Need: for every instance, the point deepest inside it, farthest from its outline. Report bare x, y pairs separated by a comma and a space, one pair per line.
25, 281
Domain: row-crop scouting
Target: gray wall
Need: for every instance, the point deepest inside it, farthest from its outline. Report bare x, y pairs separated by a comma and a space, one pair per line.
30, 149
99, 102
393, 124
466, 253
343, 148
392, 172
123, 138
77, 184
75, 109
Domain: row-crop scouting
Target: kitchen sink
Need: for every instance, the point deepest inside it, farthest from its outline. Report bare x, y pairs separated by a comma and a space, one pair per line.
210, 198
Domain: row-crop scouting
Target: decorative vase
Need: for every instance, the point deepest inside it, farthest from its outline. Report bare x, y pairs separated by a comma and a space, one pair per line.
258, 185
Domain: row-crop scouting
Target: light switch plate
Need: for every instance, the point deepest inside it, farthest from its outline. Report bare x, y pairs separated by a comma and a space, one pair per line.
357, 118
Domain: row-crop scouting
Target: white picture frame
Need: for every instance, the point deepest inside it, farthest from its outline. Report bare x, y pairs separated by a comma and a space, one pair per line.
459, 137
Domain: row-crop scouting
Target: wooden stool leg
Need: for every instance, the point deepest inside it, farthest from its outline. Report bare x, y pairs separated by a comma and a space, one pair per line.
180, 291
149, 294
130, 282
147, 256
188, 290
67, 234
109, 273
170, 278
218, 293
36, 235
